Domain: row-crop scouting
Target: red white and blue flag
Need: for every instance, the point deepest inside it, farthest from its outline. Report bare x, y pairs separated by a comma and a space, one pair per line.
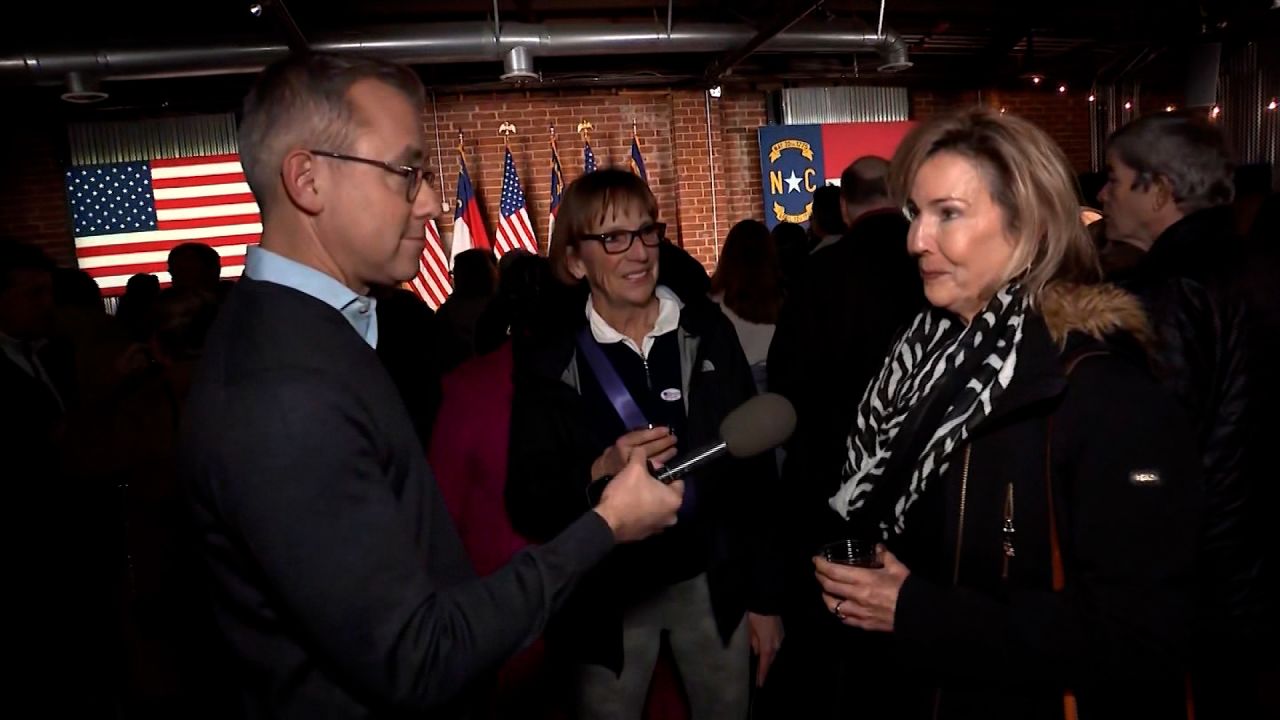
637, 160
127, 216
468, 224
515, 231
557, 186
432, 283
588, 157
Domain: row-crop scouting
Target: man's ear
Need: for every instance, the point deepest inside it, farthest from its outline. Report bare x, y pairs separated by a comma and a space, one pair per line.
298, 173
1162, 193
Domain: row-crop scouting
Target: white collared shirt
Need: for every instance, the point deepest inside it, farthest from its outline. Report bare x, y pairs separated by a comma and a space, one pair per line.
669, 307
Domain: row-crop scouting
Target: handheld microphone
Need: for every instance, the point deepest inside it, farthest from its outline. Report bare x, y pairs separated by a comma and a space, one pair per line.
760, 424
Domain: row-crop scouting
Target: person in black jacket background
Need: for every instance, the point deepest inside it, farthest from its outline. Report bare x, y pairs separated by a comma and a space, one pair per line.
338, 579
710, 583
1168, 190
1034, 490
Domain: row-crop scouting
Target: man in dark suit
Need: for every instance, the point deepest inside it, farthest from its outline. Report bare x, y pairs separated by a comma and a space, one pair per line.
339, 581
853, 298
33, 399
44, 525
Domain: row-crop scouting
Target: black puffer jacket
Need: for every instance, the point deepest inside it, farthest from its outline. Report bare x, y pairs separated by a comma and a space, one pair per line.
1189, 287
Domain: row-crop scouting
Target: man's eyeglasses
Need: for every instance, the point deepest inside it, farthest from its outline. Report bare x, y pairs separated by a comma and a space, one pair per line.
413, 176
619, 241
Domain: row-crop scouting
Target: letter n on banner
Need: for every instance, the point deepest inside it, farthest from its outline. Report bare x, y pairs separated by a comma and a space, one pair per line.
791, 165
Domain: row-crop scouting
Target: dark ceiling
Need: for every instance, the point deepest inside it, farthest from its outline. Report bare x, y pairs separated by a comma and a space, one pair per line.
956, 43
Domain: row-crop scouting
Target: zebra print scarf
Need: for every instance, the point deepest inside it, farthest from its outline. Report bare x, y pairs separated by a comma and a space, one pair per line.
939, 381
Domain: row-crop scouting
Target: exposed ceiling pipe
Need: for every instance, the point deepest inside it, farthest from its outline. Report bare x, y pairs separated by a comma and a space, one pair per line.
297, 41
443, 43
724, 64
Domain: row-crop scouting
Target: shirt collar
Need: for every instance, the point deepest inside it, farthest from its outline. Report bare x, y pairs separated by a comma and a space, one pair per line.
669, 307
360, 311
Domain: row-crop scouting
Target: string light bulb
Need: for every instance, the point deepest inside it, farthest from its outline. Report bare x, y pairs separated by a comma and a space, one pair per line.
1128, 105
1169, 108
1062, 89
1036, 79
1273, 104
1003, 110
1215, 112
1093, 98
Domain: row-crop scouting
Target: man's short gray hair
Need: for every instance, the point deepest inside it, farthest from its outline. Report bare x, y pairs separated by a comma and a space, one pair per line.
301, 102
1188, 152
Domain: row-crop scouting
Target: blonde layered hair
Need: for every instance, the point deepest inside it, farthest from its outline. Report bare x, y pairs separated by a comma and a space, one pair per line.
1030, 180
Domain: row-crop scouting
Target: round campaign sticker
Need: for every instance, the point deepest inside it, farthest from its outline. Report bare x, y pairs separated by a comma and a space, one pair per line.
671, 394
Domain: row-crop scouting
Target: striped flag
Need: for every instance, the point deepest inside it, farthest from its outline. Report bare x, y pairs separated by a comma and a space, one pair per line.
637, 160
514, 228
557, 187
432, 283
468, 223
127, 216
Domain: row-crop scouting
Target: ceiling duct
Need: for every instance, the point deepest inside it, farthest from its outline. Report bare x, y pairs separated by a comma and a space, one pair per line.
444, 43
517, 66
82, 89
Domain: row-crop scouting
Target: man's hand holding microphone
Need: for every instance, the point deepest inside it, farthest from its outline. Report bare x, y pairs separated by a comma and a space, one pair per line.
637, 505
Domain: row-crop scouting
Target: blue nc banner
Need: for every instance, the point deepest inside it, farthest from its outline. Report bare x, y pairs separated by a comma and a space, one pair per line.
792, 165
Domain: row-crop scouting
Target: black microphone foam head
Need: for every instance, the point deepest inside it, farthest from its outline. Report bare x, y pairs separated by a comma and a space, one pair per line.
762, 423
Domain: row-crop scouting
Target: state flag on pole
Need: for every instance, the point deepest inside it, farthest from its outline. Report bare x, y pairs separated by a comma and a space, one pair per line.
557, 187
514, 228
637, 160
432, 283
468, 224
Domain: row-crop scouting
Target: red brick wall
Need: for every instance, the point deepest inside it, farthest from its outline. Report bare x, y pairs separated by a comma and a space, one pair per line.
33, 205
672, 126
1065, 116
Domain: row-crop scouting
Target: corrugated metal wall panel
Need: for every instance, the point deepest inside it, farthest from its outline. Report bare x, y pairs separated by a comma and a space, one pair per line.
802, 106
1245, 86
112, 142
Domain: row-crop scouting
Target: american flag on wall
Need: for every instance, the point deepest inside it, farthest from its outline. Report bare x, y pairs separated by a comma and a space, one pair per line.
588, 157
136, 190
514, 228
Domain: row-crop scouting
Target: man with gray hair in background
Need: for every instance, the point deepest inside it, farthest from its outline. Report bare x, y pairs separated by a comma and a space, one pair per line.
1168, 191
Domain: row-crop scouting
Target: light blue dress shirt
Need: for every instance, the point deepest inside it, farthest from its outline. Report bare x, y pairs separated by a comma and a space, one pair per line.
362, 312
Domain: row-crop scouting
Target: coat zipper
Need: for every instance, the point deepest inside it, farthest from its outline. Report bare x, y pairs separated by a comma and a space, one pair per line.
955, 575
964, 493
1008, 532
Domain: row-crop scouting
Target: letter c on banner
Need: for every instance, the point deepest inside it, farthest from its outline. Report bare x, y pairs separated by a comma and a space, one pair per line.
808, 179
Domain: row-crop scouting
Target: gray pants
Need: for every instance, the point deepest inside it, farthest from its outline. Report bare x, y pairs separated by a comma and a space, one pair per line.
716, 678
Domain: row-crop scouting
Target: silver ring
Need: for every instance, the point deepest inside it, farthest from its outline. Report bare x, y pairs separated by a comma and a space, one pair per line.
836, 610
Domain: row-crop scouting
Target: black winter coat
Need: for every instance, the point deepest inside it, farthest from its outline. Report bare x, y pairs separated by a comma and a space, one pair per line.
1192, 292
553, 444
975, 638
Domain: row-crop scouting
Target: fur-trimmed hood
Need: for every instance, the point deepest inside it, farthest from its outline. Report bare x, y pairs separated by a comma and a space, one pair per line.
1096, 310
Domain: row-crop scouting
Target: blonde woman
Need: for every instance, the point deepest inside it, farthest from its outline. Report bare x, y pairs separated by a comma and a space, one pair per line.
1031, 485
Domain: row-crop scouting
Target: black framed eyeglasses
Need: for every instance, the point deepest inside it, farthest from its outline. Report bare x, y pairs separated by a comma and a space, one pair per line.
619, 241
413, 176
